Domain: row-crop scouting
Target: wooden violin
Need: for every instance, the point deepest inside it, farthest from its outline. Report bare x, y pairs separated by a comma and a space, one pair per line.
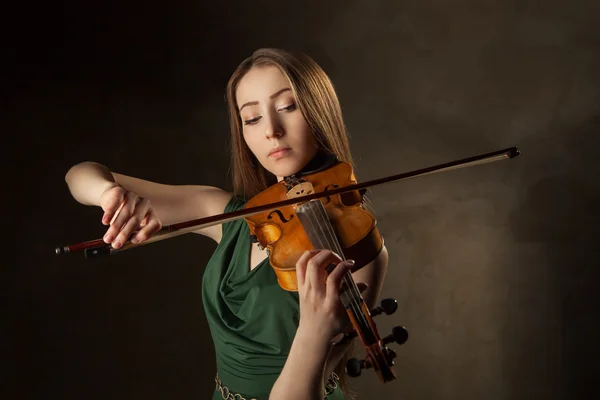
321, 210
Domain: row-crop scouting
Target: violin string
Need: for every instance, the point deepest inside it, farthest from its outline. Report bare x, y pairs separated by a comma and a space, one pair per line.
332, 238
318, 237
351, 288
333, 244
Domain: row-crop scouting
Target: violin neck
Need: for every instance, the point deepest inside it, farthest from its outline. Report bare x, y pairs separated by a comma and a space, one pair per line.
320, 232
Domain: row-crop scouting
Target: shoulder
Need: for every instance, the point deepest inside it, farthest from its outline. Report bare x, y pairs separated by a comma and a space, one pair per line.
234, 203
228, 202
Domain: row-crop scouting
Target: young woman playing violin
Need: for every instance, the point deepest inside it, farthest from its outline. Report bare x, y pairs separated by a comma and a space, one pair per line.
270, 343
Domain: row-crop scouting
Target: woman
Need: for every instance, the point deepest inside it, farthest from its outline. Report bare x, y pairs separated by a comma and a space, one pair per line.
270, 343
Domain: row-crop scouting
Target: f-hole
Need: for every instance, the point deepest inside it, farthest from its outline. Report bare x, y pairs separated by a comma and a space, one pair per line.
281, 217
328, 198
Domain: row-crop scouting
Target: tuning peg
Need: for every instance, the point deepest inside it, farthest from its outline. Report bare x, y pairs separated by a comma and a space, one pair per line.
391, 353
354, 367
388, 306
399, 335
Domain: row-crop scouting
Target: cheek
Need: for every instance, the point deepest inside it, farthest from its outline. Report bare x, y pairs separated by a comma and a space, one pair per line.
252, 145
303, 132
307, 136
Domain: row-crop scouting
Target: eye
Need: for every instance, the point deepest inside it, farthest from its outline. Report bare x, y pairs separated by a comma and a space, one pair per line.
291, 107
251, 121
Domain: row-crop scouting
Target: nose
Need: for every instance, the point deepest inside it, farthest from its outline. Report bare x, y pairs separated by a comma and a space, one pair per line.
274, 128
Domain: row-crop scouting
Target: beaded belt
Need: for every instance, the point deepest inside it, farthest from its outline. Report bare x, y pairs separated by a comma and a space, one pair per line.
332, 383
226, 394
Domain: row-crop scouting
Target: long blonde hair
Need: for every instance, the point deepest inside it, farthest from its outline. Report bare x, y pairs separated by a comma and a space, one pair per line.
317, 100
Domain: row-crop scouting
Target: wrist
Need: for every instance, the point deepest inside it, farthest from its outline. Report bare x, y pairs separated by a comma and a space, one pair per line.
102, 188
107, 185
309, 339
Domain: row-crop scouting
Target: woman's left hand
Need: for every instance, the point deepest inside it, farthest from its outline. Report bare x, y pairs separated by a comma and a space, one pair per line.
321, 310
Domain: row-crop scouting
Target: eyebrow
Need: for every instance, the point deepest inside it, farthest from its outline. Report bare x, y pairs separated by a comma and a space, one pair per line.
254, 103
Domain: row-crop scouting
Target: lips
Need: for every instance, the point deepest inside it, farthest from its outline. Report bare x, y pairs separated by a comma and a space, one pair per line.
278, 152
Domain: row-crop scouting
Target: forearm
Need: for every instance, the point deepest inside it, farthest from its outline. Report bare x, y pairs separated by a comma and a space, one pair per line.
87, 181
302, 376
335, 356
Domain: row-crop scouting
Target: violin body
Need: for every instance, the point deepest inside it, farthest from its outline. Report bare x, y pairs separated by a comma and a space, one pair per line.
285, 237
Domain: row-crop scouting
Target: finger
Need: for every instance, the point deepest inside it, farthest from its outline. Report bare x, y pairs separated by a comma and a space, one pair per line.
116, 214
111, 205
301, 266
126, 211
315, 270
152, 225
132, 224
148, 215
334, 280
113, 230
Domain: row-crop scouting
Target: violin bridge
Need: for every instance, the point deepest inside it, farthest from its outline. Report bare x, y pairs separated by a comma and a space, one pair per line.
301, 189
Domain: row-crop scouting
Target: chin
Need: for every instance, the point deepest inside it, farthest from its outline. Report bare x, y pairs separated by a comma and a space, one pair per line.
285, 168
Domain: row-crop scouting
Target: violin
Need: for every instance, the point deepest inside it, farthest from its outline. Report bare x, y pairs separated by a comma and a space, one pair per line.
318, 210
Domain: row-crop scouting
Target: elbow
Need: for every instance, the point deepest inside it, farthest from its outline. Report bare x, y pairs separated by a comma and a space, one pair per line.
77, 168
73, 170
373, 274
378, 277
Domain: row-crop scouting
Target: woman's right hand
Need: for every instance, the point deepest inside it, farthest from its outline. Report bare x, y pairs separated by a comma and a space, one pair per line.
127, 212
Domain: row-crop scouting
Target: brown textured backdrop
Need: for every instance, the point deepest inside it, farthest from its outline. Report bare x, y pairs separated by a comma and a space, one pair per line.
493, 266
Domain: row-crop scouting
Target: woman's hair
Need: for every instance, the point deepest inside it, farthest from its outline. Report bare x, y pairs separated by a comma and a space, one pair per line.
316, 99
319, 104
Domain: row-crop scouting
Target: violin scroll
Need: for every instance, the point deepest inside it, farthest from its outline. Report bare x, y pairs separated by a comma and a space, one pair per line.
378, 355
355, 366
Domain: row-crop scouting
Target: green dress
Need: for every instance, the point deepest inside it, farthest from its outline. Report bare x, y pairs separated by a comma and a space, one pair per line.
252, 320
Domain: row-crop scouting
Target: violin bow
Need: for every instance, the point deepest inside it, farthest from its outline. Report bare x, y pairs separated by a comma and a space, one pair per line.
97, 248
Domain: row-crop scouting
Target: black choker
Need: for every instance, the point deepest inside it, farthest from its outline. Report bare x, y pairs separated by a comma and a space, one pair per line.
322, 160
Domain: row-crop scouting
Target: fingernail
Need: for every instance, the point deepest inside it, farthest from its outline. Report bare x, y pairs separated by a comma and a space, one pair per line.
134, 240
117, 245
107, 238
351, 262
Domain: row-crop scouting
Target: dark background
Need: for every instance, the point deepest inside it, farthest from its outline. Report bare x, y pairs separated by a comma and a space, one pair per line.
493, 266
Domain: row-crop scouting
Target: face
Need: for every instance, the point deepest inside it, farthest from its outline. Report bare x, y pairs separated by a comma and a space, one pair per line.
273, 126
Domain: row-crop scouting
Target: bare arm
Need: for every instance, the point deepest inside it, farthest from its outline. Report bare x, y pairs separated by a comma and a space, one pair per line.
303, 373
87, 182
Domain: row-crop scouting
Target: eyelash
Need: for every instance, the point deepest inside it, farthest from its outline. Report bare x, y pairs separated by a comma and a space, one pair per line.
253, 121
